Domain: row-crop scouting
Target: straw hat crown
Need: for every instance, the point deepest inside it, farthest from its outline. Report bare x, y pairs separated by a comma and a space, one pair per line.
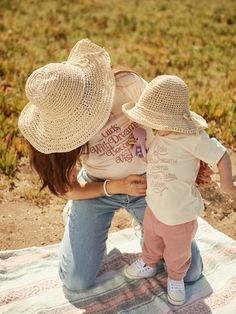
66, 99
49, 89
166, 94
164, 105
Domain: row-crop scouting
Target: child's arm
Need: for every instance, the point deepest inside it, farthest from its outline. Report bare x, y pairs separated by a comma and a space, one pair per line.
225, 170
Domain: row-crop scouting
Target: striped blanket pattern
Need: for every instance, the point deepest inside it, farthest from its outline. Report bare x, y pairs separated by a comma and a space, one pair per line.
29, 281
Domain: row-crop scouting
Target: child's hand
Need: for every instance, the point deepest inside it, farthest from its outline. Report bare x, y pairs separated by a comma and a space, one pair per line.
139, 148
204, 175
130, 142
130, 145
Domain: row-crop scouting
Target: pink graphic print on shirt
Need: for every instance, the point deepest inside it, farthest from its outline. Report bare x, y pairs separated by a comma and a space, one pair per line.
158, 168
114, 143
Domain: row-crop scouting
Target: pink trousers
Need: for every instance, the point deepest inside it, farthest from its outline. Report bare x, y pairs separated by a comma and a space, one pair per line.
171, 242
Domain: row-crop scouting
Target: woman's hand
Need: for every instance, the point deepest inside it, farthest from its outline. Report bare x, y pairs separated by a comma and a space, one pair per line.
204, 175
135, 185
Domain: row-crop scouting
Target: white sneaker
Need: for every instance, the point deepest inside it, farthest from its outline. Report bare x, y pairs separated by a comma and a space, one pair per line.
175, 291
139, 270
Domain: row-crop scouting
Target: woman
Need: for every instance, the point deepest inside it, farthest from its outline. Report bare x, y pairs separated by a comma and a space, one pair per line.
75, 114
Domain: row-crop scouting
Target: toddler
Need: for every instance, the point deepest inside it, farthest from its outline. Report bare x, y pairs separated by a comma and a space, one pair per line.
173, 160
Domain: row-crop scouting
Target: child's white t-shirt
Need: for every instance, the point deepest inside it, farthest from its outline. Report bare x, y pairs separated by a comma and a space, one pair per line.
109, 156
173, 165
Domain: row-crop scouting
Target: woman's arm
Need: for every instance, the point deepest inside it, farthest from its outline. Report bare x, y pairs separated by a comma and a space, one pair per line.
225, 171
133, 185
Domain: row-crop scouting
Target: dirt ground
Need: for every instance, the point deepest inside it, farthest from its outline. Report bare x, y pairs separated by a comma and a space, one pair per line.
29, 218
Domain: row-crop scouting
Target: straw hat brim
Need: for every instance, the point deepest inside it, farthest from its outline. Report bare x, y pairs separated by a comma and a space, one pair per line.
63, 134
48, 136
181, 124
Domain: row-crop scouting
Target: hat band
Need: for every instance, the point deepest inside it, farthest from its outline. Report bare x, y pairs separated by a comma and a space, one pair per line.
185, 115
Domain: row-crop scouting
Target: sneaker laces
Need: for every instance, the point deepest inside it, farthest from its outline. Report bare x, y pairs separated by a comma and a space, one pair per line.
141, 266
176, 285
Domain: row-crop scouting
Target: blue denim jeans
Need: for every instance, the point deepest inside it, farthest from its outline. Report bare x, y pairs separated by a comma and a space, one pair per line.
84, 242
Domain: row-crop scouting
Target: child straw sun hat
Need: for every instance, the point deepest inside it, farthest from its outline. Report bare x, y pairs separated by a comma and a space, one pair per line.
70, 101
164, 105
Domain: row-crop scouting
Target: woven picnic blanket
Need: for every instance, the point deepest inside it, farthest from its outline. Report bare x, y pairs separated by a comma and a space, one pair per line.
29, 281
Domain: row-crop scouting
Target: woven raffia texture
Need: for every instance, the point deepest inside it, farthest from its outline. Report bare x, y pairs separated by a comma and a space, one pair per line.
69, 101
164, 105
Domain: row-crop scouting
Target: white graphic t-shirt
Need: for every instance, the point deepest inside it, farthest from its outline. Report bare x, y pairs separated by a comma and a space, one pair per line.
109, 157
173, 165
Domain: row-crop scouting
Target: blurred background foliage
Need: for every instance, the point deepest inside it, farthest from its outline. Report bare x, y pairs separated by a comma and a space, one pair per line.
195, 40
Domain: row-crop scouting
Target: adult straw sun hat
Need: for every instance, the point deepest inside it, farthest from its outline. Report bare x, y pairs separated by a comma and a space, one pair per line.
70, 101
164, 105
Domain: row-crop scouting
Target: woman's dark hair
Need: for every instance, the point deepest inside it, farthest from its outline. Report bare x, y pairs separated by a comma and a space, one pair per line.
54, 169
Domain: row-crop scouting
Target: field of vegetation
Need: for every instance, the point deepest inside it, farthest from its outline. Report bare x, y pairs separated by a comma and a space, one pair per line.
193, 39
